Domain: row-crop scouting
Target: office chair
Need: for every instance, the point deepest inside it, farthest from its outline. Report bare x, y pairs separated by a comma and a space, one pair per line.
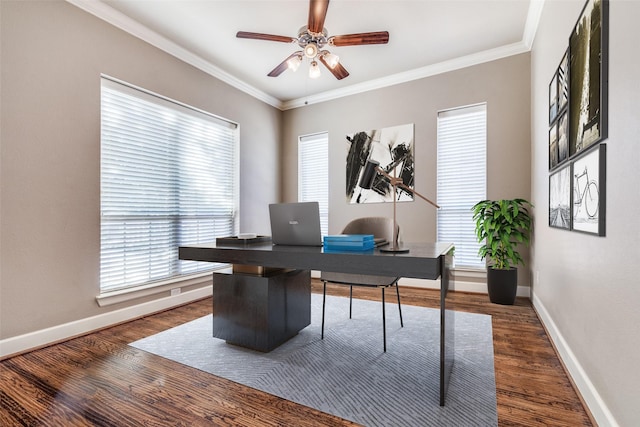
380, 228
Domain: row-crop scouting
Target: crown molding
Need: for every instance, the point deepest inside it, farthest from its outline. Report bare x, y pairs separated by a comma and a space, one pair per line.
533, 20
531, 26
119, 20
407, 76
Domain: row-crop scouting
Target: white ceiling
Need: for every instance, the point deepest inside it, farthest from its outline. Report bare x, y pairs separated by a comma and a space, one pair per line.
426, 37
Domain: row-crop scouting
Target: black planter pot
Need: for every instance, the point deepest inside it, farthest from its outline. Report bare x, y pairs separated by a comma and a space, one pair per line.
502, 285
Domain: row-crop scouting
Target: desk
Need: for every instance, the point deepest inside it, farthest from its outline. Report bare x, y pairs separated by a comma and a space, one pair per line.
423, 261
261, 311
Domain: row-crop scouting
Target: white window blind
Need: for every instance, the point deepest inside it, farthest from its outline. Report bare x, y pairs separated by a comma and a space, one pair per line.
462, 178
313, 174
168, 178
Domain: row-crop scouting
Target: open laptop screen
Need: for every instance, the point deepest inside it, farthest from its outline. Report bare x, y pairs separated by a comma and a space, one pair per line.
295, 224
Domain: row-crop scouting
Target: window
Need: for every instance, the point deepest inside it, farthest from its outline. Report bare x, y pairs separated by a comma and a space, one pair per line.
313, 174
462, 178
168, 178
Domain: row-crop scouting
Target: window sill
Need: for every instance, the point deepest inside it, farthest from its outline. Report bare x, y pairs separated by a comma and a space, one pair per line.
470, 272
123, 295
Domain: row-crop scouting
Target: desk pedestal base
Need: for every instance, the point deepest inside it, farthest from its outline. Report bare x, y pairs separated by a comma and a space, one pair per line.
261, 312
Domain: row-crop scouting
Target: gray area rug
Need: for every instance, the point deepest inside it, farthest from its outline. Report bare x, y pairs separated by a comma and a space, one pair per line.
347, 374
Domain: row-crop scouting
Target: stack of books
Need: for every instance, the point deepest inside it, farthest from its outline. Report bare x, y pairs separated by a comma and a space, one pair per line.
349, 242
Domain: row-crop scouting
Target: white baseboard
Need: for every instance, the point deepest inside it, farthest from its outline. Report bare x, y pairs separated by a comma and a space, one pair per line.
52, 335
459, 285
590, 395
48, 336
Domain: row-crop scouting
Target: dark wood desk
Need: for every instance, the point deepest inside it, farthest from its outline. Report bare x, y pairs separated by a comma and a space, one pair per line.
423, 261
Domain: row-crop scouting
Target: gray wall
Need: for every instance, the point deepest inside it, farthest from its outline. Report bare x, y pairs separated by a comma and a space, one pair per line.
502, 84
589, 285
52, 57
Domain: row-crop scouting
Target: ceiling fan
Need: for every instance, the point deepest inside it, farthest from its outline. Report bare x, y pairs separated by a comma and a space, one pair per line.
313, 38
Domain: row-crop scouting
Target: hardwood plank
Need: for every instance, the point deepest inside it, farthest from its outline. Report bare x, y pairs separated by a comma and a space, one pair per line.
97, 379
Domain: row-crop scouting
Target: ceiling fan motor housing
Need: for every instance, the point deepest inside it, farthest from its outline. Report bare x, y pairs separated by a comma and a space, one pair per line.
311, 43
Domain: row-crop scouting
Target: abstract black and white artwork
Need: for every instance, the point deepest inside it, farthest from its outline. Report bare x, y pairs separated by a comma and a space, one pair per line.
563, 82
393, 148
558, 116
588, 207
560, 198
588, 93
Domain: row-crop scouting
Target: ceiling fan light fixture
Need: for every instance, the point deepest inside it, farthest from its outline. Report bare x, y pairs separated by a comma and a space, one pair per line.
311, 50
294, 63
314, 70
331, 59
312, 39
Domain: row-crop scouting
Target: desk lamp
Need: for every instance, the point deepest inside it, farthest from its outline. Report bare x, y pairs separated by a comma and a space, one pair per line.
371, 169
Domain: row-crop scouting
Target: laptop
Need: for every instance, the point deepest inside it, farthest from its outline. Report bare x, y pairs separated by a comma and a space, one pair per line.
296, 224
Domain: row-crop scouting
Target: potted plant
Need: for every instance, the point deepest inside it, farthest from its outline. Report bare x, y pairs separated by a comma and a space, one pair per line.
501, 225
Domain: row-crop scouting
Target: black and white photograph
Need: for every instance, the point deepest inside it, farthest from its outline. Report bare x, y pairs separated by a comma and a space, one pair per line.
588, 207
553, 98
563, 82
393, 148
563, 138
587, 77
560, 198
553, 146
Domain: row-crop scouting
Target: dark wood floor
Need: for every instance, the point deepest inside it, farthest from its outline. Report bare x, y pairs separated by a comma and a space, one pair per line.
98, 379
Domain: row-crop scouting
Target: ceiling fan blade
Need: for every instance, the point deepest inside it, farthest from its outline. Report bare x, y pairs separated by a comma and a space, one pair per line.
260, 36
283, 65
338, 71
378, 37
317, 14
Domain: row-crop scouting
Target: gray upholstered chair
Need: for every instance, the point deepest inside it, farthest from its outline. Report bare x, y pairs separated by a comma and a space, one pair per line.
380, 228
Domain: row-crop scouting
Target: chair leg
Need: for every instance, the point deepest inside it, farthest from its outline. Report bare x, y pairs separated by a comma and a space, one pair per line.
384, 325
399, 306
350, 300
324, 298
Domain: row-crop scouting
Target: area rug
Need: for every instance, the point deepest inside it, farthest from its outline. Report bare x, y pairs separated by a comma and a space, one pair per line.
347, 374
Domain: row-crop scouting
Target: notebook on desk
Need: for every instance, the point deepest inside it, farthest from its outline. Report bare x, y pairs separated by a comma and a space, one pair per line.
296, 224
380, 241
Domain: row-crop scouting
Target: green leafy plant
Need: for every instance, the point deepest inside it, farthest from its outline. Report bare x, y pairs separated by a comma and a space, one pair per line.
501, 225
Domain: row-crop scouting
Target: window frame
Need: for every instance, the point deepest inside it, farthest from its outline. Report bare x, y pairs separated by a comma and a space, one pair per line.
461, 261
324, 206
110, 294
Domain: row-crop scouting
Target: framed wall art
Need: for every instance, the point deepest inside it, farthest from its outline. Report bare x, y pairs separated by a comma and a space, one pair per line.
578, 108
588, 77
558, 118
563, 82
553, 98
560, 198
393, 148
553, 146
563, 138
588, 191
